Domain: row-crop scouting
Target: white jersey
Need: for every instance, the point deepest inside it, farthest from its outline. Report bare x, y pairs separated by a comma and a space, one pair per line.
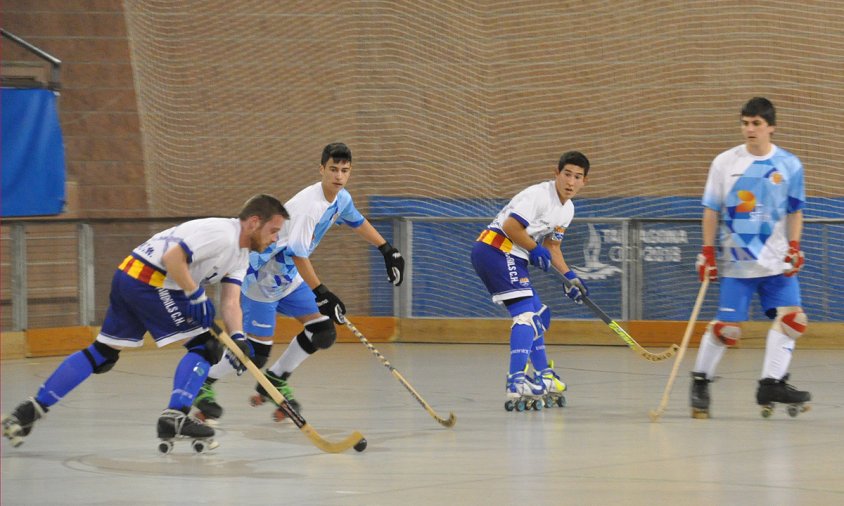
212, 246
754, 194
539, 209
272, 273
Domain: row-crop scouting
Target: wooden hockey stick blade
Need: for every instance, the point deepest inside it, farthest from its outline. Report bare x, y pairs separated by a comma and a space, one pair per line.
620, 332
320, 442
445, 422
655, 414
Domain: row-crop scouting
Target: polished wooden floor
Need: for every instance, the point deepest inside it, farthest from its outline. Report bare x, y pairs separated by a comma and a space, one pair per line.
98, 446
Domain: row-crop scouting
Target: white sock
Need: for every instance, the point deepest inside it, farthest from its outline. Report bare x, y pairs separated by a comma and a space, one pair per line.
290, 359
779, 348
709, 355
221, 369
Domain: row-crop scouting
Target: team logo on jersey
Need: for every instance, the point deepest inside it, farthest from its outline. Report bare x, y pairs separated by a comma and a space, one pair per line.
748, 201
774, 176
524, 281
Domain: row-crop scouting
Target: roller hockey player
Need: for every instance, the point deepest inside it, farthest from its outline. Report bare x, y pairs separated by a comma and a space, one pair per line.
529, 230
756, 191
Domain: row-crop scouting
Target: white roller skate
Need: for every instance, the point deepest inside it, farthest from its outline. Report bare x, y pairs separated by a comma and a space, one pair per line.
554, 388
523, 394
174, 425
18, 425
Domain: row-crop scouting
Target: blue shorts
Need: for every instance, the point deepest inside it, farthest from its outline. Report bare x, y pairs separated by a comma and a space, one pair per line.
504, 275
136, 307
259, 317
774, 291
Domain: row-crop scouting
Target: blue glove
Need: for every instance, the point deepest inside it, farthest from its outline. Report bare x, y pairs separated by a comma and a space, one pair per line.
575, 288
245, 346
540, 257
201, 309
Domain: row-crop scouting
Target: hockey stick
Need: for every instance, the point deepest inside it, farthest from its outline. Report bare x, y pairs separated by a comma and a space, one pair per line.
355, 439
627, 338
442, 421
657, 413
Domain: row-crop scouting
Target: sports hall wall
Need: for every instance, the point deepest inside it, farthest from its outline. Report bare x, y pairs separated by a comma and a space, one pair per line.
182, 109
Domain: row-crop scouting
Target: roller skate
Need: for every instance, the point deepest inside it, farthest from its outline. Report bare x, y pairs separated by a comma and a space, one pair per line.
771, 391
174, 424
699, 395
554, 388
523, 394
286, 391
206, 402
18, 425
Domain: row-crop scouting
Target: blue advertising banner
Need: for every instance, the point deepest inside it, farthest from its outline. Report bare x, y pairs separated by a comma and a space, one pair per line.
32, 164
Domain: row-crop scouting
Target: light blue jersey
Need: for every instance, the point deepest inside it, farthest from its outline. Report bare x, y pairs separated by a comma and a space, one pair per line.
272, 274
754, 194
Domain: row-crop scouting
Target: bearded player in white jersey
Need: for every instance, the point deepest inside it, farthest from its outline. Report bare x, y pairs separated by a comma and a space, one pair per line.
530, 229
282, 280
159, 289
757, 192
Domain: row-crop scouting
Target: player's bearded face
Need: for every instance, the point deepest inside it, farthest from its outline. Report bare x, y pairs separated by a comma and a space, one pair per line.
265, 233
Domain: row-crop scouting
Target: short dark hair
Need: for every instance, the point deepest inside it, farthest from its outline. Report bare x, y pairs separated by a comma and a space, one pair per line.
762, 107
264, 207
338, 151
574, 158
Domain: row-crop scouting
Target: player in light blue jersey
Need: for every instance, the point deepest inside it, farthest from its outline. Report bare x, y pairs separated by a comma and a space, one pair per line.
281, 279
530, 229
159, 288
756, 191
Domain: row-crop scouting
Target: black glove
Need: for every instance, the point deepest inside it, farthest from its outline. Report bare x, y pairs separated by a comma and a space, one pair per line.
330, 305
245, 346
394, 262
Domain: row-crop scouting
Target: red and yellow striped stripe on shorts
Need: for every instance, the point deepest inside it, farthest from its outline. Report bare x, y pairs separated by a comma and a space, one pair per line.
142, 272
496, 240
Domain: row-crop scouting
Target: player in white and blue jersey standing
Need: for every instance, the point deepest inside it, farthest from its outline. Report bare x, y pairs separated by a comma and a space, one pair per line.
530, 229
756, 191
281, 279
159, 289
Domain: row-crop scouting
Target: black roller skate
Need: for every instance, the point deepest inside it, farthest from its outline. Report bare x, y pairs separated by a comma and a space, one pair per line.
771, 391
286, 391
700, 395
206, 403
18, 425
523, 394
174, 424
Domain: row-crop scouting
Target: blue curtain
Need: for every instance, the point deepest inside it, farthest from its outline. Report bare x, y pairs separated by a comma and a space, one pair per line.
32, 164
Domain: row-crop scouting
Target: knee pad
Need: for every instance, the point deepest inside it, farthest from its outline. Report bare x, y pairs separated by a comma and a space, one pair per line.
98, 349
727, 332
207, 346
529, 319
262, 352
323, 333
791, 321
544, 316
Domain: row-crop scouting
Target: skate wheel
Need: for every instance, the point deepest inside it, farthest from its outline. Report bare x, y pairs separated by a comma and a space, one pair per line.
509, 406
538, 405
561, 401
793, 410
256, 400
700, 414
767, 411
165, 447
521, 405
279, 416
16, 441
